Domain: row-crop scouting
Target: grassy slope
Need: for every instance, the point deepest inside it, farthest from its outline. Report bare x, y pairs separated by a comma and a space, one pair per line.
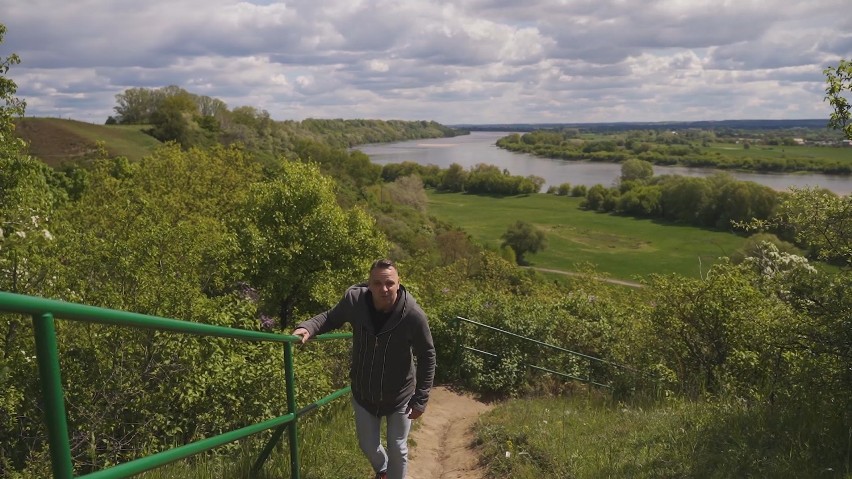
56, 141
621, 247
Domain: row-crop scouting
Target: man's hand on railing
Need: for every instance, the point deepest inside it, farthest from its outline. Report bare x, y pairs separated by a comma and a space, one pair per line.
303, 333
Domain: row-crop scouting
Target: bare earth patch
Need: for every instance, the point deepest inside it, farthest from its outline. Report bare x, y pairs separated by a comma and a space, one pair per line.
442, 446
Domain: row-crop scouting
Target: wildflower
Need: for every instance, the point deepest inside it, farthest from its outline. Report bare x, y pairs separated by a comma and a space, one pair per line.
47, 235
267, 322
247, 292
20, 234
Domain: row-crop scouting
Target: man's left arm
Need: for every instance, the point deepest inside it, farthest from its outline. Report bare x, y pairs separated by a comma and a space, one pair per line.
424, 351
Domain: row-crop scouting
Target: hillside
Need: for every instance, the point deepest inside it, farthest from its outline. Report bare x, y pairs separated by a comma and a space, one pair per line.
56, 141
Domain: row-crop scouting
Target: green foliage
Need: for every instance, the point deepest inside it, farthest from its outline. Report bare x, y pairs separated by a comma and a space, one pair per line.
819, 220
634, 169
524, 238
720, 334
406, 191
488, 179
27, 203
564, 189
162, 237
300, 248
453, 179
591, 438
756, 244
642, 201
839, 80
701, 148
12, 106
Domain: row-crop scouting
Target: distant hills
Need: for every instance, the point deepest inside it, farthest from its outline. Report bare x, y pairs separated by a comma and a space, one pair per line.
662, 125
57, 141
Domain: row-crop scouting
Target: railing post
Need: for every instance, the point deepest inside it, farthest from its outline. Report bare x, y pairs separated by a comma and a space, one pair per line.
292, 430
47, 354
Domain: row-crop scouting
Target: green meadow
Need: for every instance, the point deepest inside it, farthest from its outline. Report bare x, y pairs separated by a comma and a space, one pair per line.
809, 152
619, 247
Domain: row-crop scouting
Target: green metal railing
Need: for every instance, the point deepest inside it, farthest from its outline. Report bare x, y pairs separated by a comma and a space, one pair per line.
591, 359
45, 311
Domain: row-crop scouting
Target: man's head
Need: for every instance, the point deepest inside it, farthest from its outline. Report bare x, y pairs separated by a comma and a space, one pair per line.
384, 284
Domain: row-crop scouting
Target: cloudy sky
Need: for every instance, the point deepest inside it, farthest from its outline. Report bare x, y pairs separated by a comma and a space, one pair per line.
464, 61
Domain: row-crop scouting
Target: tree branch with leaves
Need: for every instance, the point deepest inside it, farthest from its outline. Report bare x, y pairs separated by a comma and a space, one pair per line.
839, 80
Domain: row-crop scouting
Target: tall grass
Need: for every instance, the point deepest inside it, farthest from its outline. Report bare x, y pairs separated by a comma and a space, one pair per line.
327, 446
581, 438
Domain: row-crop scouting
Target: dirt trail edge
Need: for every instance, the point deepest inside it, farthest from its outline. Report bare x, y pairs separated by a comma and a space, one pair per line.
442, 445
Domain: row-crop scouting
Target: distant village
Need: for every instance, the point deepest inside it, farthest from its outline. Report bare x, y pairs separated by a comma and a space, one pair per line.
802, 141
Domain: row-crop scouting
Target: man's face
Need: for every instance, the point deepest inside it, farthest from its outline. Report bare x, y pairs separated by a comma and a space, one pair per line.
384, 284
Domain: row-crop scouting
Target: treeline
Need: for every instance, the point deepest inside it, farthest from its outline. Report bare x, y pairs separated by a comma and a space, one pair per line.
479, 179
716, 201
175, 114
682, 148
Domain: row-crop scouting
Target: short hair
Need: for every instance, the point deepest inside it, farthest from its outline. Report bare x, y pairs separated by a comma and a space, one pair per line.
383, 263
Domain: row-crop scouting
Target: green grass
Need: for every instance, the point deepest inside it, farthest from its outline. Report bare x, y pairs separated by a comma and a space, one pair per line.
56, 140
621, 247
582, 438
840, 154
121, 140
328, 449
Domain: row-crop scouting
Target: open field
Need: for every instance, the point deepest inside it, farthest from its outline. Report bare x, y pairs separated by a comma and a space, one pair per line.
620, 247
830, 153
56, 141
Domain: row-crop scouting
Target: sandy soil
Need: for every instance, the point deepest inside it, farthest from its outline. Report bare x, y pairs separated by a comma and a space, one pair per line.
441, 447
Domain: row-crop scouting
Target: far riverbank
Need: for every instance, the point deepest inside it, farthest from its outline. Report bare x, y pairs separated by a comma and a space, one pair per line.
479, 147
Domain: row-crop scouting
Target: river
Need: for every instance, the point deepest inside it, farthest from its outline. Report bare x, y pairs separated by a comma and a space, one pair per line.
479, 147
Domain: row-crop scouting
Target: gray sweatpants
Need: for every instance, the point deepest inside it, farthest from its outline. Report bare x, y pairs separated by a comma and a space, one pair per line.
368, 430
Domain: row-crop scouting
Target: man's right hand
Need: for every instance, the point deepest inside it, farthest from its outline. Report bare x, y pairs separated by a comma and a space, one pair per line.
303, 333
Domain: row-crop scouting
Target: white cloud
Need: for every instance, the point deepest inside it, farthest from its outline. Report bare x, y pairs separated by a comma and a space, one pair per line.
471, 61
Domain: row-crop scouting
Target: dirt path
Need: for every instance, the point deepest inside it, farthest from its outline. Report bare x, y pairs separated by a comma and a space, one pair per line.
442, 445
622, 282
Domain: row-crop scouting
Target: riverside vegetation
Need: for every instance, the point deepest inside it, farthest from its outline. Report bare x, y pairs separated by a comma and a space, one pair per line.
224, 235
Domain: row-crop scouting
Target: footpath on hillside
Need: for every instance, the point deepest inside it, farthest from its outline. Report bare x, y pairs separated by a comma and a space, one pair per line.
442, 445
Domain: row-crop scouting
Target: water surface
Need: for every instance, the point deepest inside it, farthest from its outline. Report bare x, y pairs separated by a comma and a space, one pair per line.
479, 147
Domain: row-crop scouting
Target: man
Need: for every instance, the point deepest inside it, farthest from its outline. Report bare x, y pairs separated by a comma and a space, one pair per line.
388, 331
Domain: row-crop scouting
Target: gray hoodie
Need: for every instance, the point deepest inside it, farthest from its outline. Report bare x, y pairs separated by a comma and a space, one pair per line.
382, 372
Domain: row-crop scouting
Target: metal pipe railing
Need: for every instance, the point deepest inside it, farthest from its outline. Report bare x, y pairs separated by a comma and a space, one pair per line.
44, 312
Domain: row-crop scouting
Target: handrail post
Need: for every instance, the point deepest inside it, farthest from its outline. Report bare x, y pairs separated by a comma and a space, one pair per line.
291, 409
47, 354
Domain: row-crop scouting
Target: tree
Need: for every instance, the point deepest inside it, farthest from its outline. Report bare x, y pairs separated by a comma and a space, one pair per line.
10, 145
687, 200
454, 178
839, 81
821, 221
635, 169
524, 238
135, 106
408, 191
300, 246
